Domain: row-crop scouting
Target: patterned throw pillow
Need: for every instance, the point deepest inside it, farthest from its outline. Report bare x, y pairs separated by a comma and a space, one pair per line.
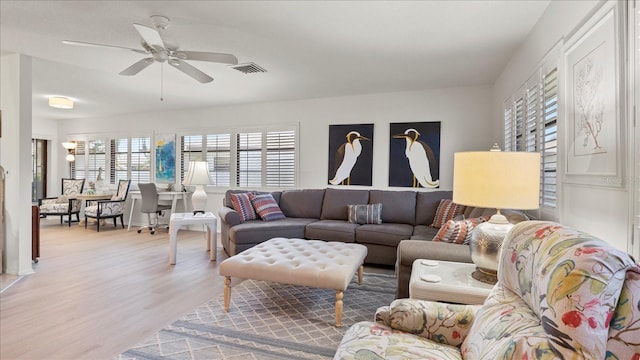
266, 207
446, 211
458, 232
365, 214
242, 204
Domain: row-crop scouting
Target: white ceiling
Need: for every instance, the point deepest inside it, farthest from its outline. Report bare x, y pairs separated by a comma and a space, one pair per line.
310, 49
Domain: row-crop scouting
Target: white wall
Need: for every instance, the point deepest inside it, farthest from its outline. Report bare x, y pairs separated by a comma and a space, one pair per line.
603, 212
465, 114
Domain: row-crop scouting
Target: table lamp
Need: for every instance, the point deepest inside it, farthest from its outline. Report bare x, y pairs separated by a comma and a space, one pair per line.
198, 175
500, 180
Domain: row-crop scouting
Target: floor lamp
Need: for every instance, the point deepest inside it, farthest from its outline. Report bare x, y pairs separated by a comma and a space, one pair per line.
500, 180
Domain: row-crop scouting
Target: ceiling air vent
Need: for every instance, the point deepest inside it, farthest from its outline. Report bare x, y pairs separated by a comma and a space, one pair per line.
249, 68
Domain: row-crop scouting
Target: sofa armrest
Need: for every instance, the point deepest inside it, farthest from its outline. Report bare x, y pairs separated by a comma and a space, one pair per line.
440, 322
410, 250
228, 216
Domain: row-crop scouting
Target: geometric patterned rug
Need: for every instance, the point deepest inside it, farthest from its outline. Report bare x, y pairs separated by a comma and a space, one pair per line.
268, 320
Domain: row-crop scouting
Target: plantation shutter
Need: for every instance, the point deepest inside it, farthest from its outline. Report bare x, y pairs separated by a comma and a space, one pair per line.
191, 150
140, 160
280, 159
549, 139
78, 167
118, 160
219, 158
509, 135
97, 158
249, 159
532, 114
519, 112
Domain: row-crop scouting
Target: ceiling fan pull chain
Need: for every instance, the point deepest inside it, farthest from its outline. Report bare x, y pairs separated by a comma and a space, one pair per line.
161, 82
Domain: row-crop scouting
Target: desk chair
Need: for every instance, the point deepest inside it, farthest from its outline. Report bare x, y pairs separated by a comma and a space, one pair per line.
150, 205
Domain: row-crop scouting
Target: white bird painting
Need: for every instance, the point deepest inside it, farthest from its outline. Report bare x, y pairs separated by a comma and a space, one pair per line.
346, 158
421, 159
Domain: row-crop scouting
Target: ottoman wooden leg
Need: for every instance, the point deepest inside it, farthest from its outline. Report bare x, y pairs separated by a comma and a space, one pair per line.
339, 295
227, 292
360, 270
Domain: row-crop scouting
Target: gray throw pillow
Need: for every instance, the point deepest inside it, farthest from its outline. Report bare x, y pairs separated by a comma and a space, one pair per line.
365, 214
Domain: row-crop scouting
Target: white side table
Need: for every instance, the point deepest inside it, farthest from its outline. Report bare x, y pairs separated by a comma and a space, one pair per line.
179, 220
456, 284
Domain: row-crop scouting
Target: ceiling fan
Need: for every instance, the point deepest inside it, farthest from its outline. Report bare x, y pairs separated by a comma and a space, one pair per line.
159, 50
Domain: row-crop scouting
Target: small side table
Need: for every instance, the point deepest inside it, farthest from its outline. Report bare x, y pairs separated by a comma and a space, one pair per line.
456, 284
179, 220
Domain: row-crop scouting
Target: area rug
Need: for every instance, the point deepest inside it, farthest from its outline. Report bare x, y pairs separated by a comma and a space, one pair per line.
267, 321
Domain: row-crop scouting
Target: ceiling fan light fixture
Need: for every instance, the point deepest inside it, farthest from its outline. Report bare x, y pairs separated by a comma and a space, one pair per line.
60, 102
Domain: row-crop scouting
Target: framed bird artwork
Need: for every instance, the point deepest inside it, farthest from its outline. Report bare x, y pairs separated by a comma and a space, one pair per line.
350, 154
414, 154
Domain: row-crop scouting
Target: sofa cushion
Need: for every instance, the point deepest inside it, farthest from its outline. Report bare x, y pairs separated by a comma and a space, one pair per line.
446, 211
397, 206
331, 230
334, 206
227, 195
388, 234
424, 232
458, 232
242, 205
256, 231
266, 207
365, 214
427, 203
302, 203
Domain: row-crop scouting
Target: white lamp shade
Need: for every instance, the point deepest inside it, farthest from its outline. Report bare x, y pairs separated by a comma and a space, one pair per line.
70, 157
69, 145
198, 174
500, 180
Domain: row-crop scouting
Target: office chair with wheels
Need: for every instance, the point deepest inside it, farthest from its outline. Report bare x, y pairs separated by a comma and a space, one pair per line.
150, 206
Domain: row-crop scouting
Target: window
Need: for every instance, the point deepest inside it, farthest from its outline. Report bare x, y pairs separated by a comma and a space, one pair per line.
215, 148
39, 163
280, 164
77, 167
530, 124
130, 158
249, 159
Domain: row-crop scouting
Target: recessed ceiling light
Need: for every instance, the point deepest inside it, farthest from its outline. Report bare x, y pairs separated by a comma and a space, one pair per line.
60, 102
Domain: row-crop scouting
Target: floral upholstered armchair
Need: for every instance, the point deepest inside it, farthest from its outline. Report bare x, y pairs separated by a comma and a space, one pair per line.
66, 204
105, 209
561, 294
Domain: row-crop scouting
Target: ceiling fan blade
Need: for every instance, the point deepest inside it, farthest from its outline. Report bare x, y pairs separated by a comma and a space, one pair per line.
150, 36
82, 43
137, 67
207, 56
190, 70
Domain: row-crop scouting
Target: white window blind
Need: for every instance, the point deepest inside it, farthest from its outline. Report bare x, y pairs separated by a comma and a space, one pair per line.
119, 160
219, 158
191, 150
96, 158
140, 165
549, 140
78, 167
249, 159
530, 124
280, 162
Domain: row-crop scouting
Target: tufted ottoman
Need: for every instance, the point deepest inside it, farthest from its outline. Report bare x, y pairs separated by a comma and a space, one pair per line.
314, 263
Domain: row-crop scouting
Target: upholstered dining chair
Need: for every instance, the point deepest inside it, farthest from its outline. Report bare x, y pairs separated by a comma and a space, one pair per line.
109, 209
149, 205
66, 204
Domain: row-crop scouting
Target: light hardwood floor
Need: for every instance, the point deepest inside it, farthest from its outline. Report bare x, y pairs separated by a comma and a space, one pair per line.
95, 295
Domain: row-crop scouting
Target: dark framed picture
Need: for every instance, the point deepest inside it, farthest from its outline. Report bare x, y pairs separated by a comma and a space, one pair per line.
414, 154
350, 154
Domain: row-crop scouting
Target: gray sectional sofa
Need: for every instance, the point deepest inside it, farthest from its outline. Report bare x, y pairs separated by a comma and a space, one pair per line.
322, 214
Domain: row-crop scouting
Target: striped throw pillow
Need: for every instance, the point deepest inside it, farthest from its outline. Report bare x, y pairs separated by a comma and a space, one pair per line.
365, 214
446, 211
457, 232
242, 204
266, 207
